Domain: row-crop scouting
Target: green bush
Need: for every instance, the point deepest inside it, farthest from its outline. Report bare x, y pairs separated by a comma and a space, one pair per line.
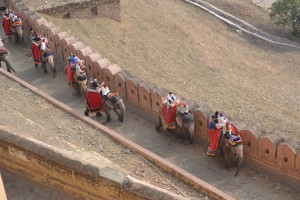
286, 13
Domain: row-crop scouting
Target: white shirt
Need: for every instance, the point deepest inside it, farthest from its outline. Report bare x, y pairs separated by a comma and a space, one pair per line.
171, 97
43, 46
105, 90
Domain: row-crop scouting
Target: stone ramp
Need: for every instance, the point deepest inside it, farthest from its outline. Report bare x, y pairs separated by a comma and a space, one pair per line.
2, 190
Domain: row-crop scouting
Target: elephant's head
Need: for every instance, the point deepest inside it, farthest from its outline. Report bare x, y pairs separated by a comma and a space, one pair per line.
236, 150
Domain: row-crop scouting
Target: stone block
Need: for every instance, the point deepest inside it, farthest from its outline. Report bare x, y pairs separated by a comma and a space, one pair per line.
51, 33
201, 117
132, 85
156, 98
58, 42
267, 147
89, 63
108, 75
74, 47
120, 83
250, 136
14, 4
31, 19
18, 5
193, 105
66, 42
45, 28
38, 24
145, 90
286, 154
239, 124
82, 53
23, 14
98, 66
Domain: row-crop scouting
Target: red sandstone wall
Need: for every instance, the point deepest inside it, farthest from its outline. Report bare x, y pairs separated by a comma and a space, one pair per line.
266, 149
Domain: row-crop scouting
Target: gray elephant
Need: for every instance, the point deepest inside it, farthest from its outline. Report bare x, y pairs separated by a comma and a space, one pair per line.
232, 148
4, 54
175, 120
17, 30
96, 103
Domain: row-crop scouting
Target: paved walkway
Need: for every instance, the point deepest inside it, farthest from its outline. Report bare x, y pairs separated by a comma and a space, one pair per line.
252, 183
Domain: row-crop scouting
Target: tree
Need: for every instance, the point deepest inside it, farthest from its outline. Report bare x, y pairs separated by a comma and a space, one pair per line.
286, 13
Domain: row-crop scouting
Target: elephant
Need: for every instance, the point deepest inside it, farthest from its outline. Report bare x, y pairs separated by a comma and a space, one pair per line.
184, 125
4, 57
232, 151
17, 30
114, 102
47, 57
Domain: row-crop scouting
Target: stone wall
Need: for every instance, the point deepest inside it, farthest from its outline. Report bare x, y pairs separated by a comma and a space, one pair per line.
267, 149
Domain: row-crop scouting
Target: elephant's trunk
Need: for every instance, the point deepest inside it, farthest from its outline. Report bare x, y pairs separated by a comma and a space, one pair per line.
239, 157
20, 33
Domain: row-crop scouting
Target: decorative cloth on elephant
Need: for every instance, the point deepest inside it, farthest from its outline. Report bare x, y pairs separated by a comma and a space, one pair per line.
35, 48
232, 134
93, 101
168, 117
6, 24
215, 136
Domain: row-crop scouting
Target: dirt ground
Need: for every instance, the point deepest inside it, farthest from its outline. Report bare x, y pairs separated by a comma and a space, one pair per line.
185, 49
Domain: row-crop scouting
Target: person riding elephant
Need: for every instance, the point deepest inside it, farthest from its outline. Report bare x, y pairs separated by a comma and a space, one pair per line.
182, 110
105, 91
169, 100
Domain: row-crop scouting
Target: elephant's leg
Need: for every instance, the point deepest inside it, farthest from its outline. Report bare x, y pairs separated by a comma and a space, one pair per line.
191, 133
45, 66
86, 112
239, 158
226, 157
108, 117
179, 121
158, 125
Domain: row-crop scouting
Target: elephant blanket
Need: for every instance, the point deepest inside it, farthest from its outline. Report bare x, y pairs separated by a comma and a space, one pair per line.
168, 119
93, 100
6, 26
215, 136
